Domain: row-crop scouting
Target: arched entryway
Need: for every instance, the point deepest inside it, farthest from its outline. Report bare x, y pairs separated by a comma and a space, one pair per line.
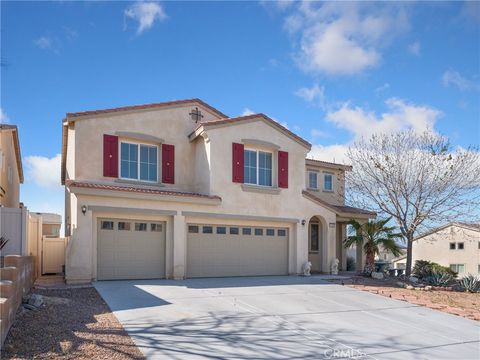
317, 245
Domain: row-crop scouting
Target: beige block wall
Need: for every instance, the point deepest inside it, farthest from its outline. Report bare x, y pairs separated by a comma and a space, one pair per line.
436, 248
9, 164
16, 279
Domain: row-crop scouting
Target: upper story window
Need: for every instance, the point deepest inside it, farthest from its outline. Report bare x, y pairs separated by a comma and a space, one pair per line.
258, 167
138, 162
327, 182
312, 180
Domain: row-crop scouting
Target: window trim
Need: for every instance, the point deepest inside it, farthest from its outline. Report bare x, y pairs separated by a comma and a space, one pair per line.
452, 246
458, 245
257, 154
457, 268
311, 172
139, 144
324, 175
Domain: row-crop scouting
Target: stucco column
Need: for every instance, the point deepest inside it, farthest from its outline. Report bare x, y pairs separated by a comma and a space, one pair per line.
342, 255
331, 248
179, 247
79, 251
301, 234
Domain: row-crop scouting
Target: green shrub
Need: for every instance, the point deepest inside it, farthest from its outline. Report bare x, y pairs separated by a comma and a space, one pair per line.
470, 283
350, 263
424, 269
439, 278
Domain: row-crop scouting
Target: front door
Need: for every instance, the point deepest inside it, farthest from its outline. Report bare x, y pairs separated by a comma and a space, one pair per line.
314, 254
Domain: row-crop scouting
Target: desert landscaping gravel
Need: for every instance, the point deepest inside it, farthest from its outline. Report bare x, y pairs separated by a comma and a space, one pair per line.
462, 304
71, 324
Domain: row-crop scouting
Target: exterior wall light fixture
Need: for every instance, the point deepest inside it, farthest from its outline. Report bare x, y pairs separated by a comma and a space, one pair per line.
84, 209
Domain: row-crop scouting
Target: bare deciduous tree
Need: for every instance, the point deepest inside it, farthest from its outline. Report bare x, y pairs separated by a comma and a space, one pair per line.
417, 179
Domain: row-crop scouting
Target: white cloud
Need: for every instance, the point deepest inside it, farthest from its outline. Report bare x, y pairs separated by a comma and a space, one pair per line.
454, 78
145, 13
415, 48
344, 38
44, 43
43, 171
3, 116
333, 153
247, 112
314, 95
400, 116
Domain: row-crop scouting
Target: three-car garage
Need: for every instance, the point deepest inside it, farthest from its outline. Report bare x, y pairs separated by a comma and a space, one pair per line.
137, 249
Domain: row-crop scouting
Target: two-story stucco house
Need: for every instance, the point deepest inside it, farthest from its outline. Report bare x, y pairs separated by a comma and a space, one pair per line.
180, 190
455, 245
11, 171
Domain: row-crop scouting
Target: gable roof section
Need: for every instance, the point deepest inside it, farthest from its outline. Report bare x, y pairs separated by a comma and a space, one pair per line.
469, 226
16, 145
330, 165
73, 116
248, 118
341, 210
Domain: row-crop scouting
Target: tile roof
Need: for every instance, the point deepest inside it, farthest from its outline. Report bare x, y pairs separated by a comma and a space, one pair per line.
238, 119
338, 208
146, 106
321, 162
137, 189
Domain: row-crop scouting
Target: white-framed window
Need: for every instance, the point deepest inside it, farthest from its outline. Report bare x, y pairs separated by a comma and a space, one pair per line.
312, 180
327, 182
453, 246
458, 268
258, 167
138, 161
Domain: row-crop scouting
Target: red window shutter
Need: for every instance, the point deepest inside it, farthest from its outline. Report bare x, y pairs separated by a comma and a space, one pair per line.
283, 169
110, 156
168, 164
237, 163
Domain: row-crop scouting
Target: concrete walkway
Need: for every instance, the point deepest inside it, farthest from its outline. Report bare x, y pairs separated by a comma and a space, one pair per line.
282, 318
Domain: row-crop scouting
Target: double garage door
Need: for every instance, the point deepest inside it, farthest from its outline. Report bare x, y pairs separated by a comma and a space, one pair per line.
135, 249
220, 250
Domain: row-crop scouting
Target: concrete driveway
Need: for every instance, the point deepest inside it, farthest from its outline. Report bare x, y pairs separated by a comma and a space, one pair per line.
282, 317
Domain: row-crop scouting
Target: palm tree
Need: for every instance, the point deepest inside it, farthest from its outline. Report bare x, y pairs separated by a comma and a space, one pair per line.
372, 235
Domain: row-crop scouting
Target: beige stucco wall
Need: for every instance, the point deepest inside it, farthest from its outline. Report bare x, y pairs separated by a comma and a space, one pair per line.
173, 125
8, 163
436, 248
337, 196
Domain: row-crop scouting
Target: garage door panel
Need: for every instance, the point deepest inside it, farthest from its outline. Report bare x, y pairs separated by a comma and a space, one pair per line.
130, 254
210, 255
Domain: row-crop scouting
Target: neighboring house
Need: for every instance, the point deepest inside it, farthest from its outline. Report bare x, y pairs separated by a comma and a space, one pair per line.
456, 245
387, 256
11, 172
180, 190
51, 224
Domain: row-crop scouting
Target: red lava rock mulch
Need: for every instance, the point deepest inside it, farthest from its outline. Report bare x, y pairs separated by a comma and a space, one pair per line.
462, 304
72, 324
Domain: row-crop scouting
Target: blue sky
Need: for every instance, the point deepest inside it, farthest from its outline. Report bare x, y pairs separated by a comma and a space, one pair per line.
331, 72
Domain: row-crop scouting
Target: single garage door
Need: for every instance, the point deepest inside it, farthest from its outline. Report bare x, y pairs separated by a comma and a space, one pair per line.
221, 250
130, 249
